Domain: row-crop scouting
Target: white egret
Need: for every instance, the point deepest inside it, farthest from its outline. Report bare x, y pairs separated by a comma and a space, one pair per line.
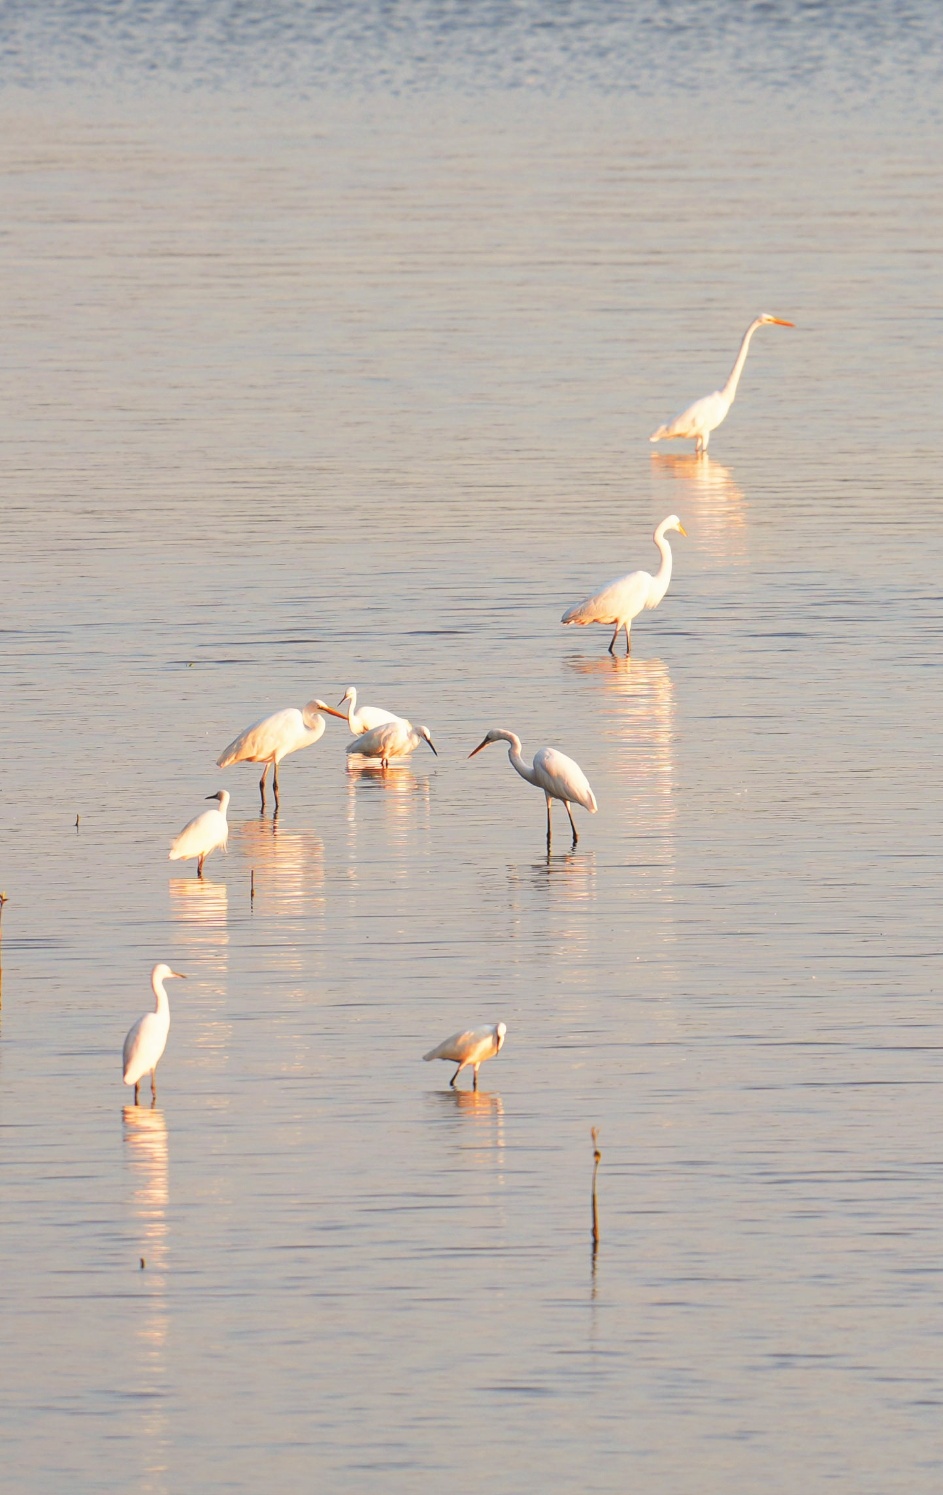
203, 834
361, 720
270, 740
556, 774
472, 1047
147, 1040
705, 415
622, 600
394, 739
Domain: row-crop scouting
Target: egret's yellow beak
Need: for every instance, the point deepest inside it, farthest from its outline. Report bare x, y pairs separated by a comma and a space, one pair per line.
781, 322
682, 531
478, 748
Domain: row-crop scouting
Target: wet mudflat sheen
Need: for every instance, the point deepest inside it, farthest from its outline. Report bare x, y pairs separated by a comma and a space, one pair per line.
313, 379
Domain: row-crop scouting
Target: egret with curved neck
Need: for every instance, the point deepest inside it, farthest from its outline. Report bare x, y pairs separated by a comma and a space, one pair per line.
360, 721
622, 600
270, 740
705, 415
553, 772
147, 1040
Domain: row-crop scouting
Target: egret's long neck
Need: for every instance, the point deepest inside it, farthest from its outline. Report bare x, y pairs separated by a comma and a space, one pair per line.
526, 770
351, 706
163, 1006
663, 575
730, 388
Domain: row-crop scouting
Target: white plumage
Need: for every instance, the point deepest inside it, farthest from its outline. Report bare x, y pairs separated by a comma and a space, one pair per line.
270, 740
203, 834
553, 772
705, 415
147, 1040
361, 720
393, 739
623, 599
472, 1047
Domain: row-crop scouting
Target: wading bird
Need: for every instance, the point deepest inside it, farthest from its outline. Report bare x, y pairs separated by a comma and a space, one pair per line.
556, 774
395, 739
203, 834
705, 415
359, 721
623, 600
471, 1048
148, 1038
270, 740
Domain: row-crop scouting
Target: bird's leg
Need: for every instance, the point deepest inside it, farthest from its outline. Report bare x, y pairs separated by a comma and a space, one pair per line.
262, 787
153, 1089
576, 835
137, 1088
549, 824
628, 641
612, 642
199, 866
455, 1076
275, 782
476, 1078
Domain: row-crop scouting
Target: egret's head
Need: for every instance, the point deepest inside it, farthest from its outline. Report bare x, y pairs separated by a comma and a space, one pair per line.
163, 972
309, 714
493, 734
673, 522
499, 1032
349, 695
220, 795
323, 706
424, 733
766, 319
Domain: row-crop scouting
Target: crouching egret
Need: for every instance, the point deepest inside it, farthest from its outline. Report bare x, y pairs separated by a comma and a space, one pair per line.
270, 740
556, 774
473, 1048
394, 739
362, 720
705, 415
203, 834
624, 599
147, 1040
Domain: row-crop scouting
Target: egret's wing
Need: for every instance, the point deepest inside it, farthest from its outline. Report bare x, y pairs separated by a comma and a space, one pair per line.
460, 1045
617, 602
375, 716
698, 419
560, 776
202, 834
258, 742
143, 1047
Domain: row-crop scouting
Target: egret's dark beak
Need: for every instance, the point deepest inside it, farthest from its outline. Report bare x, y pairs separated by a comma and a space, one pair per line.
432, 745
478, 748
179, 975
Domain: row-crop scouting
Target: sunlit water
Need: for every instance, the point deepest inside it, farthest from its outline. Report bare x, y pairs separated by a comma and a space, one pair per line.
311, 390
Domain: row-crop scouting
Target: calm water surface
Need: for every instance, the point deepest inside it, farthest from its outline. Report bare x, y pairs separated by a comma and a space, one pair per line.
346, 388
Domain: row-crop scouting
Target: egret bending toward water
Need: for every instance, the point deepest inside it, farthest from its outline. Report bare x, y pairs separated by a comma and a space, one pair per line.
147, 1040
359, 721
556, 774
270, 740
393, 739
705, 415
473, 1047
623, 600
203, 834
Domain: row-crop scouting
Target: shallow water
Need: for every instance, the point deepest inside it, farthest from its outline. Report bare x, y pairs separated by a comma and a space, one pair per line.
302, 392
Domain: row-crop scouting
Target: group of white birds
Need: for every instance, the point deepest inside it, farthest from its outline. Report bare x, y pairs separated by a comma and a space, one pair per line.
381, 736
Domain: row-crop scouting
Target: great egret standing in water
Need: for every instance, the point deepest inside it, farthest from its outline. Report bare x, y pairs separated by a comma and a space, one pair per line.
470, 1048
203, 834
706, 414
394, 739
147, 1040
556, 774
270, 740
624, 599
362, 720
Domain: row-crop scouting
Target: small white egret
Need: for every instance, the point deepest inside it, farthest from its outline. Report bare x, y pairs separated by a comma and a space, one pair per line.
472, 1047
270, 740
705, 415
359, 721
624, 599
395, 739
203, 834
556, 774
147, 1040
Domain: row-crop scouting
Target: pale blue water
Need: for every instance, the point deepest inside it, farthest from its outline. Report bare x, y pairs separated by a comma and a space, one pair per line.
330, 356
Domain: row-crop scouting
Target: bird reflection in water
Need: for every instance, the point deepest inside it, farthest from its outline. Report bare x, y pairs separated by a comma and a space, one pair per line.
638, 711
403, 791
288, 866
201, 909
479, 1104
145, 1150
705, 489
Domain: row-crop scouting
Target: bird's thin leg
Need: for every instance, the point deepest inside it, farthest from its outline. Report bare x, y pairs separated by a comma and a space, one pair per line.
612, 642
549, 824
576, 834
262, 786
199, 866
476, 1077
275, 782
628, 641
153, 1088
455, 1076
137, 1088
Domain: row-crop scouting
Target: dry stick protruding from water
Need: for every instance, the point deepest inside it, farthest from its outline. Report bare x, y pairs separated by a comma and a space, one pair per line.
597, 1158
252, 885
